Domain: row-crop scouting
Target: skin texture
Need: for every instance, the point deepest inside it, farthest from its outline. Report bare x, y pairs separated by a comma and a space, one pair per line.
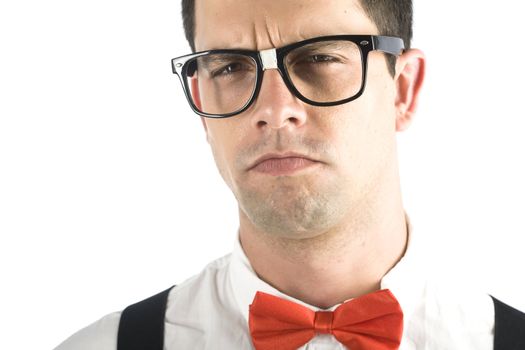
340, 223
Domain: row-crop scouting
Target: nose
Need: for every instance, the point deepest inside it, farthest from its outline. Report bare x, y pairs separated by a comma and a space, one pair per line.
276, 107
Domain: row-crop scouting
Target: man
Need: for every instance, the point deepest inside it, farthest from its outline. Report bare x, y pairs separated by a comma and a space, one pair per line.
301, 101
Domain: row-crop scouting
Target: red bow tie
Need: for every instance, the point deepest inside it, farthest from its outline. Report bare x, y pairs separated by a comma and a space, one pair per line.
373, 321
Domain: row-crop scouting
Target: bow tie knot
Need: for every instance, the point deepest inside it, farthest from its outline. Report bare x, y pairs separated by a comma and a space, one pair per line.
323, 322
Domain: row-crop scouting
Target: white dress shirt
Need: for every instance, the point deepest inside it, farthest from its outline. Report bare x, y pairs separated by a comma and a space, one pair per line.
210, 311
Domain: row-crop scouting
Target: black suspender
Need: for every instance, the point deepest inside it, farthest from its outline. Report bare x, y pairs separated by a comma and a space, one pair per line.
142, 325
509, 330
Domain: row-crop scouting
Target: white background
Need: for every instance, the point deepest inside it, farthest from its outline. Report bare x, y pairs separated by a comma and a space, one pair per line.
109, 194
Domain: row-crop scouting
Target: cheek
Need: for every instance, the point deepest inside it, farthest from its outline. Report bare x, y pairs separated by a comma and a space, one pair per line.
225, 139
222, 147
379, 127
362, 132
380, 94
377, 105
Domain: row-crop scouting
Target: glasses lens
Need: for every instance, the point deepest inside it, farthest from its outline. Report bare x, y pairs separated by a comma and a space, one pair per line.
326, 71
221, 83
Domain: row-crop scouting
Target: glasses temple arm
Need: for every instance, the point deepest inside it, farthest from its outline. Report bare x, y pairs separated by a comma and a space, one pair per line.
389, 44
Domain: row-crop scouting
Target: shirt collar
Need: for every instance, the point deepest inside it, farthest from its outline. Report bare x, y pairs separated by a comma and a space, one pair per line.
404, 280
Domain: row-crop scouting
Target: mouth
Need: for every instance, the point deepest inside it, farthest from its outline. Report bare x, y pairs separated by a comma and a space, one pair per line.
274, 164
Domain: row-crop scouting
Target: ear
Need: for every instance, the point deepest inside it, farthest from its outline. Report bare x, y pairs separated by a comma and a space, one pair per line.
410, 73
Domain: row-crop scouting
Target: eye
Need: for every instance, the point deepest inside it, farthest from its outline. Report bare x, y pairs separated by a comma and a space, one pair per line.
316, 60
320, 59
230, 69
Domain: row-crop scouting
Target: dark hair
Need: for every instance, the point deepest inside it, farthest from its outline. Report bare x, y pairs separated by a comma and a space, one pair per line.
392, 18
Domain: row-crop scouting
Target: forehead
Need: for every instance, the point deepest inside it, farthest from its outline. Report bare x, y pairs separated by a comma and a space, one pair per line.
263, 24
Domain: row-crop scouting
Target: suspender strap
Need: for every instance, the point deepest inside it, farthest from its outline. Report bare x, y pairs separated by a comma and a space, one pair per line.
509, 329
142, 324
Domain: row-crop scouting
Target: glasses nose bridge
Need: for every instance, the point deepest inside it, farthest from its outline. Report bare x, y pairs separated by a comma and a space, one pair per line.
269, 59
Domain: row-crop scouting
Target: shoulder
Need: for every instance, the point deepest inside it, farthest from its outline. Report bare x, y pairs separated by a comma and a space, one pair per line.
460, 315
100, 335
204, 286
462, 304
213, 274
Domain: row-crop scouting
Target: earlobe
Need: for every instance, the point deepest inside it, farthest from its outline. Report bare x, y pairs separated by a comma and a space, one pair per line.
410, 73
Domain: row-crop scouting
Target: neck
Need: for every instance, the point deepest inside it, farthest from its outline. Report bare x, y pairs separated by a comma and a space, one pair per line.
342, 263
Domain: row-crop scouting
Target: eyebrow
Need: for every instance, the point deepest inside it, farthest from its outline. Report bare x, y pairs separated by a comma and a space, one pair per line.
336, 44
217, 60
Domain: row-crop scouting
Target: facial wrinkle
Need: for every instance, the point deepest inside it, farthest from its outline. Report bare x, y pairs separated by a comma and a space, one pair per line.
275, 43
266, 34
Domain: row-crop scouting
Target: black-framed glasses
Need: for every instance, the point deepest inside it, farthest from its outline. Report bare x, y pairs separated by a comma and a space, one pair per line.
322, 71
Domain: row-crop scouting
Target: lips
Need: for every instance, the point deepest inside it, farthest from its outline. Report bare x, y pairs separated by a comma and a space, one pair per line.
282, 164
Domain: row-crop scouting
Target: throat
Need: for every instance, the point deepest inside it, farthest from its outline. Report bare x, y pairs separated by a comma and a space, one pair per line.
328, 269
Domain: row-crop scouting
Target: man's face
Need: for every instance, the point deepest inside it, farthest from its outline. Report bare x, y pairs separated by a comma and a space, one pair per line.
326, 163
